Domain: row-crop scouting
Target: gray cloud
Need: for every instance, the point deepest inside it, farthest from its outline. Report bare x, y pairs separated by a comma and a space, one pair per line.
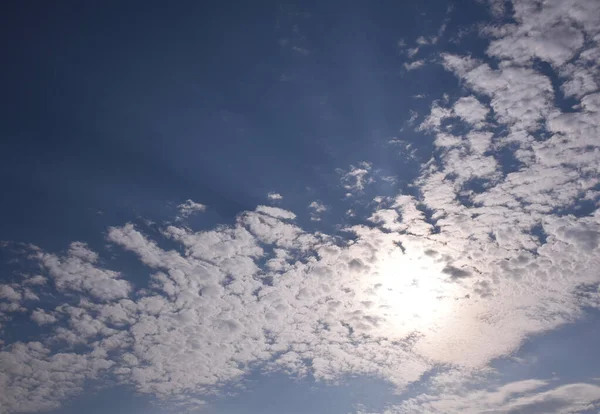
455, 272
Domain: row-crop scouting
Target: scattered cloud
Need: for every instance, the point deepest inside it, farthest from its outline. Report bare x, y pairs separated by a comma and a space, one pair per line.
414, 65
457, 273
316, 209
190, 207
78, 271
357, 177
471, 110
42, 318
274, 196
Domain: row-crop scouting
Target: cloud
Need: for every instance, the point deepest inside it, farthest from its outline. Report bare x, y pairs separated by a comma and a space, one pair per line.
356, 178
414, 65
554, 33
35, 379
520, 96
42, 318
316, 209
471, 110
216, 292
487, 214
526, 396
411, 52
77, 271
190, 207
9, 293
274, 196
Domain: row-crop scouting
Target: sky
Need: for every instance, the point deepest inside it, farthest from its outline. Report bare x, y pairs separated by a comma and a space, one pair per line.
353, 207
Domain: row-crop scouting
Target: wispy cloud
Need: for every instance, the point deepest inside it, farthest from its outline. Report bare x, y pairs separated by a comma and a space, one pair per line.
316, 209
414, 65
190, 207
526, 396
356, 178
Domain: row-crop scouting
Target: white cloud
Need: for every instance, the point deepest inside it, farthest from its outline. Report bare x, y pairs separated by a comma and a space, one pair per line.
42, 318
526, 396
76, 271
274, 196
414, 65
471, 110
316, 209
520, 96
554, 32
190, 207
33, 379
356, 178
436, 115
490, 228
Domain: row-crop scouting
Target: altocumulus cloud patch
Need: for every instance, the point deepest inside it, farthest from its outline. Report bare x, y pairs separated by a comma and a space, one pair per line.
442, 280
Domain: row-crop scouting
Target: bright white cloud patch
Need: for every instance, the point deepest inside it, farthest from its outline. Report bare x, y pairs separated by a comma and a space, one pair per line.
471, 110
477, 259
274, 196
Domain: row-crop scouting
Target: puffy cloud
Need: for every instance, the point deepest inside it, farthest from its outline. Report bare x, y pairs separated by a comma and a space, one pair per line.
520, 96
467, 108
201, 323
77, 271
471, 110
9, 293
553, 32
488, 220
35, 379
274, 196
42, 318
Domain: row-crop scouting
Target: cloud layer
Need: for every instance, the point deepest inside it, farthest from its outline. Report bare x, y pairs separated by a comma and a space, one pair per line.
496, 244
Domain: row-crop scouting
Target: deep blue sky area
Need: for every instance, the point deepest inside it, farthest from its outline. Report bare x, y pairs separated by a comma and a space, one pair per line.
122, 107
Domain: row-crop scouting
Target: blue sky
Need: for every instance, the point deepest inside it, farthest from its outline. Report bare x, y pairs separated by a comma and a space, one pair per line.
326, 207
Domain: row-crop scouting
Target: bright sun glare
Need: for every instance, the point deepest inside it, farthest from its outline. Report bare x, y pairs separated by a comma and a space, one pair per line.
412, 291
